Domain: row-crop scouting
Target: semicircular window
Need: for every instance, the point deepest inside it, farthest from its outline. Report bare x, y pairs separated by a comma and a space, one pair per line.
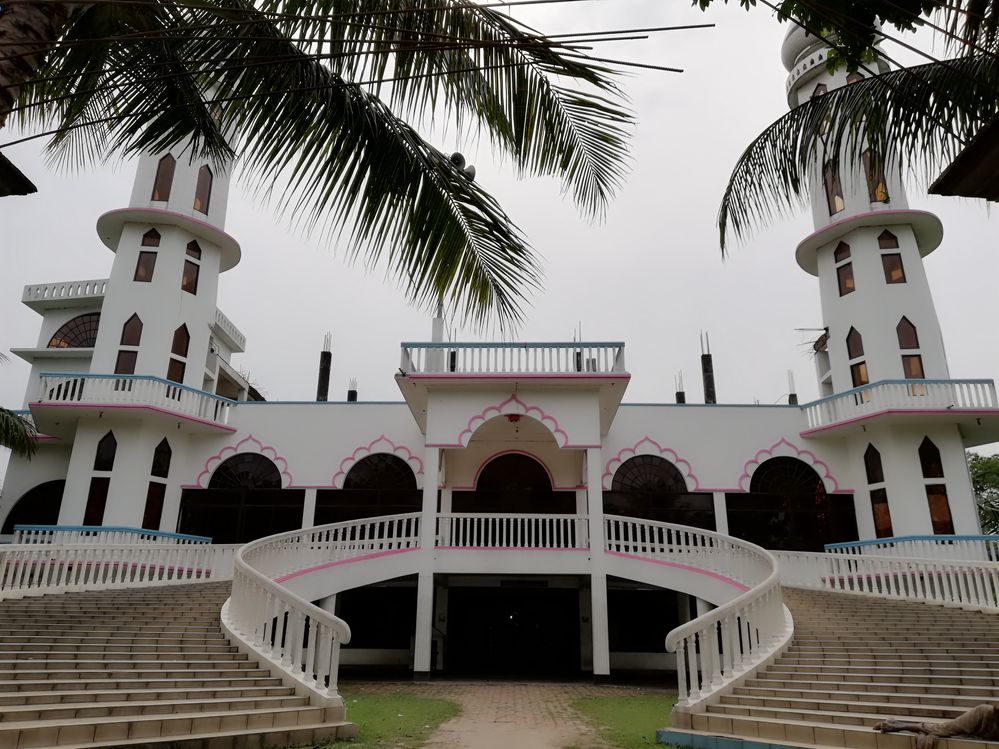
246, 471
513, 473
80, 332
381, 471
786, 476
648, 473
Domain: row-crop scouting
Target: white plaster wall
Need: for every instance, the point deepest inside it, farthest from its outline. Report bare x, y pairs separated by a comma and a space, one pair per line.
49, 463
185, 182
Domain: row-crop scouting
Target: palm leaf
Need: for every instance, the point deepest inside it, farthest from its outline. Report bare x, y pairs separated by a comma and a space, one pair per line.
17, 433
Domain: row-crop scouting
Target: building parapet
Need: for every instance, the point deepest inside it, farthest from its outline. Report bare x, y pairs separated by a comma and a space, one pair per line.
64, 294
578, 358
228, 330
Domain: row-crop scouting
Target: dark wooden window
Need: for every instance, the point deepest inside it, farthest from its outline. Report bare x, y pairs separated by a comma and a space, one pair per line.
80, 332
106, 450
882, 513
164, 178
154, 506
912, 366
97, 499
194, 249
151, 238
131, 331
887, 241
819, 90
858, 373
841, 253
874, 170
854, 344
854, 77
203, 192
125, 363
144, 268
872, 465
936, 495
175, 370
894, 272
834, 189
189, 282
181, 341
929, 460
907, 335
161, 459
844, 275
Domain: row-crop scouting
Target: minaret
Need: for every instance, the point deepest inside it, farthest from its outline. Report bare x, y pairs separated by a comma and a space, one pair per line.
867, 251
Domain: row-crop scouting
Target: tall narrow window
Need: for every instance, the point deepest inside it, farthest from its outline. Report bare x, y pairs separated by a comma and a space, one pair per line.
872, 465
882, 513
854, 344
844, 276
175, 371
189, 281
164, 178
194, 249
125, 363
858, 373
907, 336
887, 241
894, 272
929, 460
106, 449
154, 506
834, 189
161, 459
203, 192
151, 238
144, 268
131, 331
181, 341
874, 169
912, 366
97, 499
936, 496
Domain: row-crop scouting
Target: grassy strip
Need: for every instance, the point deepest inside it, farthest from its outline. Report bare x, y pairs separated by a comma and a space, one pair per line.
627, 722
399, 720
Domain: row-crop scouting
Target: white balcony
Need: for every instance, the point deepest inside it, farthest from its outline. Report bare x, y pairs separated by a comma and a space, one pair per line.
63, 294
470, 359
227, 330
971, 403
64, 397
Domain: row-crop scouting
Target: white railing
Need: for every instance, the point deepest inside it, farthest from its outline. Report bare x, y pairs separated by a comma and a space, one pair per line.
512, 531
34, 569
99, 534
512, 358
301, 639
63, 290
972, 548
901, 395
954, 582
715, 649
230, 329
132, 390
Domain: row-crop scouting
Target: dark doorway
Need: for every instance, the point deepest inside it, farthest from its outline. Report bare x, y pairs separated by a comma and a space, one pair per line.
514, 483
513, 632
380, 484
37, 506
652, 488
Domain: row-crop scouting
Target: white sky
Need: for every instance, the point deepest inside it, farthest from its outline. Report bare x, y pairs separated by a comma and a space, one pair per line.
650, 275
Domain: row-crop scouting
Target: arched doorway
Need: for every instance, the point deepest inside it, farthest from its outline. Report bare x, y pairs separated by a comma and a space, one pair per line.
37, 506
514, 482
244, 501
380, 484
652, 488
787, 507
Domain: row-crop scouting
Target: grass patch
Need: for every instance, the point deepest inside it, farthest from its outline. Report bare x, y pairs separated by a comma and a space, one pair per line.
627, 722
394, 721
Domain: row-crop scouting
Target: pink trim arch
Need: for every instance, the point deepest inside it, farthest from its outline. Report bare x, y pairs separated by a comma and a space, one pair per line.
248, 444
784, 449
380, 444
648, 446
510, 406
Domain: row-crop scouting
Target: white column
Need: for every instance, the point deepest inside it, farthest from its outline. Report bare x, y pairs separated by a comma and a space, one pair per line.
425, 584
595, 504
598, 625
309, 509
703, 606
328, 604
721, 513
424, 624
682, 608
598, 578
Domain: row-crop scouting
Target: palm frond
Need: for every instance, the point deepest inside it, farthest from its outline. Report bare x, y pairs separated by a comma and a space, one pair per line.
17, 433
921, 116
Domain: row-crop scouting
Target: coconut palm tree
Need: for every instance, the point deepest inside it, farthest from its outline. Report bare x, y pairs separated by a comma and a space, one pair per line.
16, 433
311, 94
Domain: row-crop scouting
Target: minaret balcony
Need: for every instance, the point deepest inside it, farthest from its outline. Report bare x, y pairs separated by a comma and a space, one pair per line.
64, 398
64, 294
971, 404
513, 359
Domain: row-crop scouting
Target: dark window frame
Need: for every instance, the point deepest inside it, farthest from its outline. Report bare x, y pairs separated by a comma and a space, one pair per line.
145, 266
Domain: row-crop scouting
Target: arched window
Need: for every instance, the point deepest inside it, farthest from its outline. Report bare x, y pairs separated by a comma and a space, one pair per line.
834, 189
181, 341
653, 488
853, 78
844, 271
161, 459
784, 475
164, 178
929, 460
203, 192
131, 331
648, 473
151, 238
381, 471
894, 270
144, 267
872, 464
246, 471
106, 449
80, 332
854, 344
512, 473
908, 338
874, 170
819, 90
841, 253
887, 240
194, 249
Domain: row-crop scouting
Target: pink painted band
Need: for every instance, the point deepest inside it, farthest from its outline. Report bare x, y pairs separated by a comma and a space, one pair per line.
505, 548
338, 562
512, 376
108, 406
685, 567
890, 411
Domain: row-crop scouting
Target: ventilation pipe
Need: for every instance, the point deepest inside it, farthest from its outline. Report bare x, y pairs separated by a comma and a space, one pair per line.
352, 391
792, 397
707, 370
681, 397
325, 369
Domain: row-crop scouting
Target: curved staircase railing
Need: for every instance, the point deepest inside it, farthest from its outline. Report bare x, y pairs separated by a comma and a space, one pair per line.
293, 636
974, 548
728, 642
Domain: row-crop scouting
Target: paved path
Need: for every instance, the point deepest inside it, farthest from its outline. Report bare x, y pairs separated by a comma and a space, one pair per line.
510, 715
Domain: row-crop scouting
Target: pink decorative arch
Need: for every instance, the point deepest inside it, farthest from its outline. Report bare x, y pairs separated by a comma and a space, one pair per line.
648, 446
784, 449
513, 405
380, 444
248, 444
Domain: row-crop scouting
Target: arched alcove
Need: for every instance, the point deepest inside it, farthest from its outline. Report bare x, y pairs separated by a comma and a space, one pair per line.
514, 482
37, 506
378, 484
653, 488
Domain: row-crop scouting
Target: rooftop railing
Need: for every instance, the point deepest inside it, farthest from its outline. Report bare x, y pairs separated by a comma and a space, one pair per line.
62, 291
229, 328
513, 358
901, 395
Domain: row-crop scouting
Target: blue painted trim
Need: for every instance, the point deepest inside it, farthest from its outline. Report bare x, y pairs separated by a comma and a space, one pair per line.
702, 740
114, 529
543, 344
712, 405
168, 383
899, 539
873, 385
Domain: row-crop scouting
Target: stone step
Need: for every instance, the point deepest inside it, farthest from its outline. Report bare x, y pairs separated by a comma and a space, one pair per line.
887, 661
87, 674
881, 697
69, 646
158, 682
769, 680
830, 717
690, 739
277, 736
102, 656
105, 709
853, 707
91, 696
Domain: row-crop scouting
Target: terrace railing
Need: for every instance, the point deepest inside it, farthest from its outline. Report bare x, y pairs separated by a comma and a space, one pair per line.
512, 358
99, 534
132, 390
901, 395
972, 548
511, 531
230, 329
62, 291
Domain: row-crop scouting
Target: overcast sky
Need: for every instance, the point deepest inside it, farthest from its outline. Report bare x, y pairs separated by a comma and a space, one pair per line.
651, 274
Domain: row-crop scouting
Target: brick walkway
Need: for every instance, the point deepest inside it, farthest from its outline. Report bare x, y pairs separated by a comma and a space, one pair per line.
509, 715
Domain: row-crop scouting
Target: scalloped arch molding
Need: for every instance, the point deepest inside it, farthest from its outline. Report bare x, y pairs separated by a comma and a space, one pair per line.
248, 444
648, 446
784, 449
512, 405
380, 444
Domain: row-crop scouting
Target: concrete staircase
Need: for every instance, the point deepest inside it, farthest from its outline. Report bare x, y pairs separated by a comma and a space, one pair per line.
854, 661
142, 667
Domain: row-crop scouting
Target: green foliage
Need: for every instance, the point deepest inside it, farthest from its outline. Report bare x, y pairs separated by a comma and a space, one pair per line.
627, 722
16, 433
984, 471
394, 721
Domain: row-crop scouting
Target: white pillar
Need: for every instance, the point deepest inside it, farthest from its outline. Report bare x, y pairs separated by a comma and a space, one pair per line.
721, 513
598, 625
328, 604
424, 624
428, 520
598, 578
682, 608
703, 606
595, 505
309, 509
425, 580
